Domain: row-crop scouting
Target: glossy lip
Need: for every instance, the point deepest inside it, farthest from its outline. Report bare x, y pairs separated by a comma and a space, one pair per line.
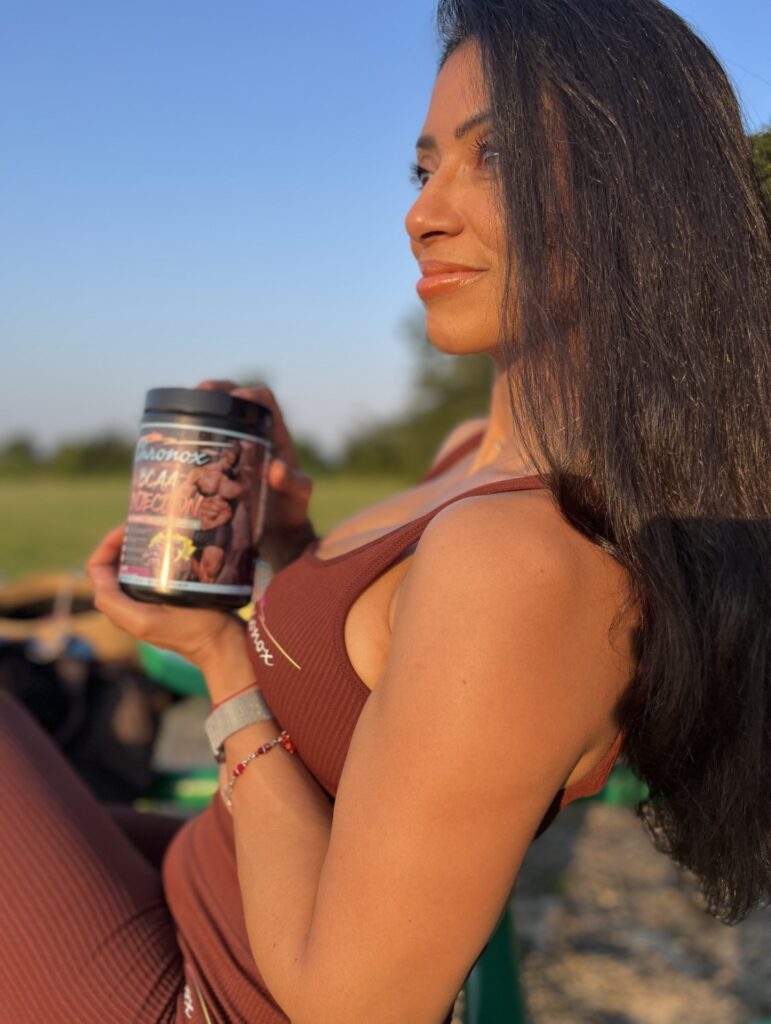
440, 277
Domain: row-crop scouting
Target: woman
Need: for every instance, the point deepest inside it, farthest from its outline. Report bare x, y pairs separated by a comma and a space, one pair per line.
584, 571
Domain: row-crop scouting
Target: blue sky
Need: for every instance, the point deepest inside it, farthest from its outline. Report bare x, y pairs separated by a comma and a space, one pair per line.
193, 189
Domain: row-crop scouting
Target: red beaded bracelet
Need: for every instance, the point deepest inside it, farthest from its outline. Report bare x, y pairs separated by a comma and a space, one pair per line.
283, 738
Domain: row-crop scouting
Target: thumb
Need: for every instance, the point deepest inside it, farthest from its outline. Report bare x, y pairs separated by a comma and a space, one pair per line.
287, 480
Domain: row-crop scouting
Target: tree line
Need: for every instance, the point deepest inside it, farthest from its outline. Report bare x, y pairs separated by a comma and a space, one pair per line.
444, 390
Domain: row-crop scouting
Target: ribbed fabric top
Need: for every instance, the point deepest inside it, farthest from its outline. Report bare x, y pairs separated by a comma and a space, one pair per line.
297, 645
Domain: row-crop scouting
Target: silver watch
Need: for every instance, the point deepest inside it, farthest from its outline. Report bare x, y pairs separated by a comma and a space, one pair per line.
236, 713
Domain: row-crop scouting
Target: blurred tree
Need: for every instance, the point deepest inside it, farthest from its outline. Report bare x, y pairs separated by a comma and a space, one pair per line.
312, 459
445, 391
108, 453
18, 456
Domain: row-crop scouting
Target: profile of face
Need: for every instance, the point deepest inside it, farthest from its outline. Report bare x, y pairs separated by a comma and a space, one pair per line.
455, 219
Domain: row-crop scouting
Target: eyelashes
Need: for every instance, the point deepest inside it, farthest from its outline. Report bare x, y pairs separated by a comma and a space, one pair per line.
484, 151
416, 175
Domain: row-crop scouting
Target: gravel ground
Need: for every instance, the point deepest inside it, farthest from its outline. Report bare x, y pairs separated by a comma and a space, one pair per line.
611, 932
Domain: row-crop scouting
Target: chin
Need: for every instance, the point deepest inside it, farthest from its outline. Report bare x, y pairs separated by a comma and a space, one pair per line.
459, 336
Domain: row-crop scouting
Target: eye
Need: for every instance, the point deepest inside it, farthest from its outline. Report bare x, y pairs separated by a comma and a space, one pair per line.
486, 151
418, 175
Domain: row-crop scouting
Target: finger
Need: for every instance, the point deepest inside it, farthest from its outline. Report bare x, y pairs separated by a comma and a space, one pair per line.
119, 608
261, 393
107, 552
290, 481
261, 390
280, 436
102, 566
217, 385
265, 396
102, 569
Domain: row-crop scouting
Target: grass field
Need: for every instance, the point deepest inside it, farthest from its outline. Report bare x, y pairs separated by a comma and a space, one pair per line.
49, 523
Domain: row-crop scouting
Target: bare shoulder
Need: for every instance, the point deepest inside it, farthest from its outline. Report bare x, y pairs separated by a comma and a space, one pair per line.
494, 545
536, 592
501, 535
457, 436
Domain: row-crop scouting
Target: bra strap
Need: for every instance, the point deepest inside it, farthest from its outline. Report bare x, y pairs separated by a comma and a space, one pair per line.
387, 548
454, 455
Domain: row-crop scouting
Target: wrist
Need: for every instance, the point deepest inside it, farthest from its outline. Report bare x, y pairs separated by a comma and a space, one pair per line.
244, 689
237, 712
226, 665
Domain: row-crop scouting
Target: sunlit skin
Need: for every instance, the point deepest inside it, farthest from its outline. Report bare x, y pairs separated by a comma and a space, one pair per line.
456, 219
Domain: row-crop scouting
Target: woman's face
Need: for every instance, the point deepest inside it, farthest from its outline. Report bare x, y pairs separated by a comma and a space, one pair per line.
455, 219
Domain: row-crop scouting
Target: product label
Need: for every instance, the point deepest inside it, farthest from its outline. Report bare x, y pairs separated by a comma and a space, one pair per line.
195, 511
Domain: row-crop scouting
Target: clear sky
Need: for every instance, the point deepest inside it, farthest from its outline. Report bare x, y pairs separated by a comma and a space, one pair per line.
194, 188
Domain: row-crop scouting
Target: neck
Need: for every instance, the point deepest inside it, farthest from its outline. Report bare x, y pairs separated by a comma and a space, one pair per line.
500, 449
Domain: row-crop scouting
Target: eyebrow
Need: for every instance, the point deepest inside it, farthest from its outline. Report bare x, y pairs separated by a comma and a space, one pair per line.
429, 142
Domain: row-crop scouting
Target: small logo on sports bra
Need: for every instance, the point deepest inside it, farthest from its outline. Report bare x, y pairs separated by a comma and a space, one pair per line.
189, 1007
259, 644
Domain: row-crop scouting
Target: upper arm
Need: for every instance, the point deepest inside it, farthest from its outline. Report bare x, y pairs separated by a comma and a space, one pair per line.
477, 721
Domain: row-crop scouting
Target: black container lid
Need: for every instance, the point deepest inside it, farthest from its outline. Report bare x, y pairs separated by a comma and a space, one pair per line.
242, 413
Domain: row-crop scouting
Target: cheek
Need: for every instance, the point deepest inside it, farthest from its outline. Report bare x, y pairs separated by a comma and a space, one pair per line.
482, 212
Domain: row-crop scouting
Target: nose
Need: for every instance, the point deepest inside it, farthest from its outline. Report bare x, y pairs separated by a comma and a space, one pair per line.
433, 214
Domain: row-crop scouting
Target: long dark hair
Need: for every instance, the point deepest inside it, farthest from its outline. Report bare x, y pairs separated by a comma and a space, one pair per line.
638, 342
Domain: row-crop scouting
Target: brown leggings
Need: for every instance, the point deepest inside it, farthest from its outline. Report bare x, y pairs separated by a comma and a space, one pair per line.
85, 933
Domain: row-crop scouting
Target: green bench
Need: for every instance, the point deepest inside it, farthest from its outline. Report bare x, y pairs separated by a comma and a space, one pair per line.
193, 788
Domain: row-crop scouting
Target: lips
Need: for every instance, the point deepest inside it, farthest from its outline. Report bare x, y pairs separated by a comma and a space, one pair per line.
430, 268
440, 277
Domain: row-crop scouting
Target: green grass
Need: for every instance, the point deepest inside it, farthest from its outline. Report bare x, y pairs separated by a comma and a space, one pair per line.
51, 523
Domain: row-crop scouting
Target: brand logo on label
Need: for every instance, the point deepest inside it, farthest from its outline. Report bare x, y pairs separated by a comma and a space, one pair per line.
259, 644
189, 1008
147, 452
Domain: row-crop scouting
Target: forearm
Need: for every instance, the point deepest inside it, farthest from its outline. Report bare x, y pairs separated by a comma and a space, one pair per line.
282, 821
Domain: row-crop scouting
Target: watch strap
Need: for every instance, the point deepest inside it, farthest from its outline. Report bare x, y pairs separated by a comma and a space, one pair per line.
232, 715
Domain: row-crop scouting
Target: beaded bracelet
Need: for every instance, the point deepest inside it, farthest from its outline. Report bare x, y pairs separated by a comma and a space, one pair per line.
283, 738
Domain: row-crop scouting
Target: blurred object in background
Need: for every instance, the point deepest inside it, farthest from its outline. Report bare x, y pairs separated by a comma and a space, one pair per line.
53, 608
77, 675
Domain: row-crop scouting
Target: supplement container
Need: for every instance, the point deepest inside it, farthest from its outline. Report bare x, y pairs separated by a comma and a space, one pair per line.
197, 499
